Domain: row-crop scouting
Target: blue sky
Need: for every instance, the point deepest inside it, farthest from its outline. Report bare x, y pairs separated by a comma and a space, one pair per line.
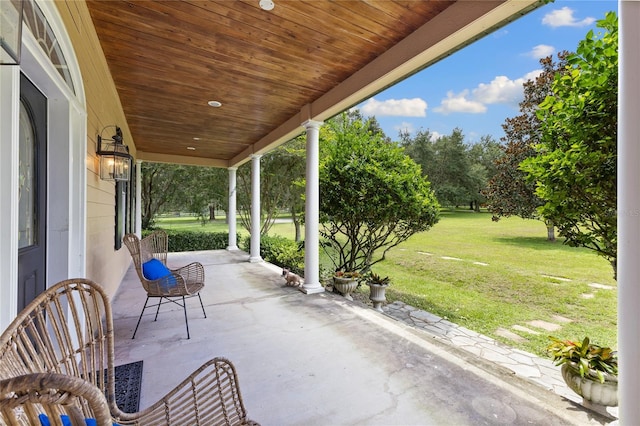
480, 86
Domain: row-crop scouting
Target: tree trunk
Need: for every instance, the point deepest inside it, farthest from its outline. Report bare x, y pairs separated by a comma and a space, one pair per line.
212, 212
551, 230
296, 224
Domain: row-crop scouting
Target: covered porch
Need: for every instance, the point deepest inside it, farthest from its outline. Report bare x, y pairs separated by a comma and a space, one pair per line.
319, 359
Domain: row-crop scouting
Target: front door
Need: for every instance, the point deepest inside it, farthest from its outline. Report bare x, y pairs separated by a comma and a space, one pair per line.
32, 193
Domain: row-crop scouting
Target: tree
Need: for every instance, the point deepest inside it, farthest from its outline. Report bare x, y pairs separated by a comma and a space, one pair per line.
372, 196
281, 172
509, 193
158, 187
163, 189
575, 167
483, 156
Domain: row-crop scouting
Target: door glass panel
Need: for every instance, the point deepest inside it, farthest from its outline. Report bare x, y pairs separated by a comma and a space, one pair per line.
27, 224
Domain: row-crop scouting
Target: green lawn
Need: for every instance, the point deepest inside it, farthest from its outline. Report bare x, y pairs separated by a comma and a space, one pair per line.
487, 275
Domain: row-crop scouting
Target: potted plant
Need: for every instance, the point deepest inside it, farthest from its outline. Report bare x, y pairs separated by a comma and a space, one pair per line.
377, 289
588, 369
346, 282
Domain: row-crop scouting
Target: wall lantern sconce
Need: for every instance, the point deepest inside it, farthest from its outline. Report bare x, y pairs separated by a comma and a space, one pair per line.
10, 31
115, 161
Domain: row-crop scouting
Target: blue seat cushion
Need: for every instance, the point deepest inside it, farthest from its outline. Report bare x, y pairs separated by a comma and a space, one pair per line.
154, 270
66, 421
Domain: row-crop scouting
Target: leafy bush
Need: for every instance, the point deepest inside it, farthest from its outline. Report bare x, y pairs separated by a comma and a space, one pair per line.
194, 241
280, 251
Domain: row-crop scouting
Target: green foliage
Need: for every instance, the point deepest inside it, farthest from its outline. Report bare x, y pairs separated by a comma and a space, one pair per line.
194, 241
280, 251
373, 278
575, 166
589, 358
281, 170
457, 171
372, 196
509, 192
163, 190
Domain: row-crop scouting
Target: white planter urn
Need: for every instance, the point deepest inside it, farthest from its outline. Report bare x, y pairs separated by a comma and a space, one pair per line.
377, 295
590, 388
345, 286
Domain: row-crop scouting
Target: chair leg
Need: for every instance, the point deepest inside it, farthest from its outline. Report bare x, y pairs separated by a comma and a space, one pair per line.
145, 307
205, 314
158, 309
186, 320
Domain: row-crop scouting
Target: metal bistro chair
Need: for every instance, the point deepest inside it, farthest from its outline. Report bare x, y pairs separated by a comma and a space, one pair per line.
169, 285
53, 359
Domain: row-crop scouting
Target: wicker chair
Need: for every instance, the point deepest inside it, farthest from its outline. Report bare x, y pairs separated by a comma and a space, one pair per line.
181, 283
54, 354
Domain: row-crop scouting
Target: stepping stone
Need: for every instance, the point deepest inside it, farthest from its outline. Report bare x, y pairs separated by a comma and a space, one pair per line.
556, 278
524, 329
588, 295
481, 263
602, 286
561, 319
449, 258
510, 335
549, 326
425, 253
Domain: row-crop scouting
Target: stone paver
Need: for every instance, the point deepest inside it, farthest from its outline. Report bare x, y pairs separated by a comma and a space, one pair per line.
510, 335
561, 319
524, 329
601, 286
549, 326
523, 364
449, 258
557, 278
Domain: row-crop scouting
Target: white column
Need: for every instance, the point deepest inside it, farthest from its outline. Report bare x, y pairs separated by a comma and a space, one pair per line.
139, 198
312, 211
255, 209
9, 145
628, 211
231, 211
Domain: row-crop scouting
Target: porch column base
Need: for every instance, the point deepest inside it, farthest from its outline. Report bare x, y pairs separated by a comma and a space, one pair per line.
255, 259
312, 289
232, 248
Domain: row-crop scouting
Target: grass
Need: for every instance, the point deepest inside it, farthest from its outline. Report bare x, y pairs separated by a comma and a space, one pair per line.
486, 275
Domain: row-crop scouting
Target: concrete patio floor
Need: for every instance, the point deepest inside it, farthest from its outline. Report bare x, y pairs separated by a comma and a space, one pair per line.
319, 359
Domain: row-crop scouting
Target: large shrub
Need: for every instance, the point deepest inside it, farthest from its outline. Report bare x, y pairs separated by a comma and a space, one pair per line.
194, 240
372, 196
280, 251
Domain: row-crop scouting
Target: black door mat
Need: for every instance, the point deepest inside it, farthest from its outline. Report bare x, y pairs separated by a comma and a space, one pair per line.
128, 383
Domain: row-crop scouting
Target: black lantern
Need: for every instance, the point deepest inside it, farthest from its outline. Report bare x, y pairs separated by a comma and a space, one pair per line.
10, 31
115, 161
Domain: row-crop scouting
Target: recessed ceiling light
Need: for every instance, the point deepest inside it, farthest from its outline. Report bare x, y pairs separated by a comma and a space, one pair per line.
191, 148
215, 104
196, 139
266, 4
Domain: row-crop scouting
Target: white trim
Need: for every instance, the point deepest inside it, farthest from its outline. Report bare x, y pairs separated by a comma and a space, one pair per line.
66, 155
9, 117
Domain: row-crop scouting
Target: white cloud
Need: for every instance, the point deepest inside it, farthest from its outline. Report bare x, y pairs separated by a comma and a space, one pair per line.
501, 90
460, 103
564, 18
541, 51
405, 126
415, 107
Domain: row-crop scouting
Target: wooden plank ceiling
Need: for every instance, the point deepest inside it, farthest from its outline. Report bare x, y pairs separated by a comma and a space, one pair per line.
270, 70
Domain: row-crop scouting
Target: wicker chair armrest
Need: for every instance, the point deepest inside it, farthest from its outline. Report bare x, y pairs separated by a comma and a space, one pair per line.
171, 285
52, 394
209, 396
192, 273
